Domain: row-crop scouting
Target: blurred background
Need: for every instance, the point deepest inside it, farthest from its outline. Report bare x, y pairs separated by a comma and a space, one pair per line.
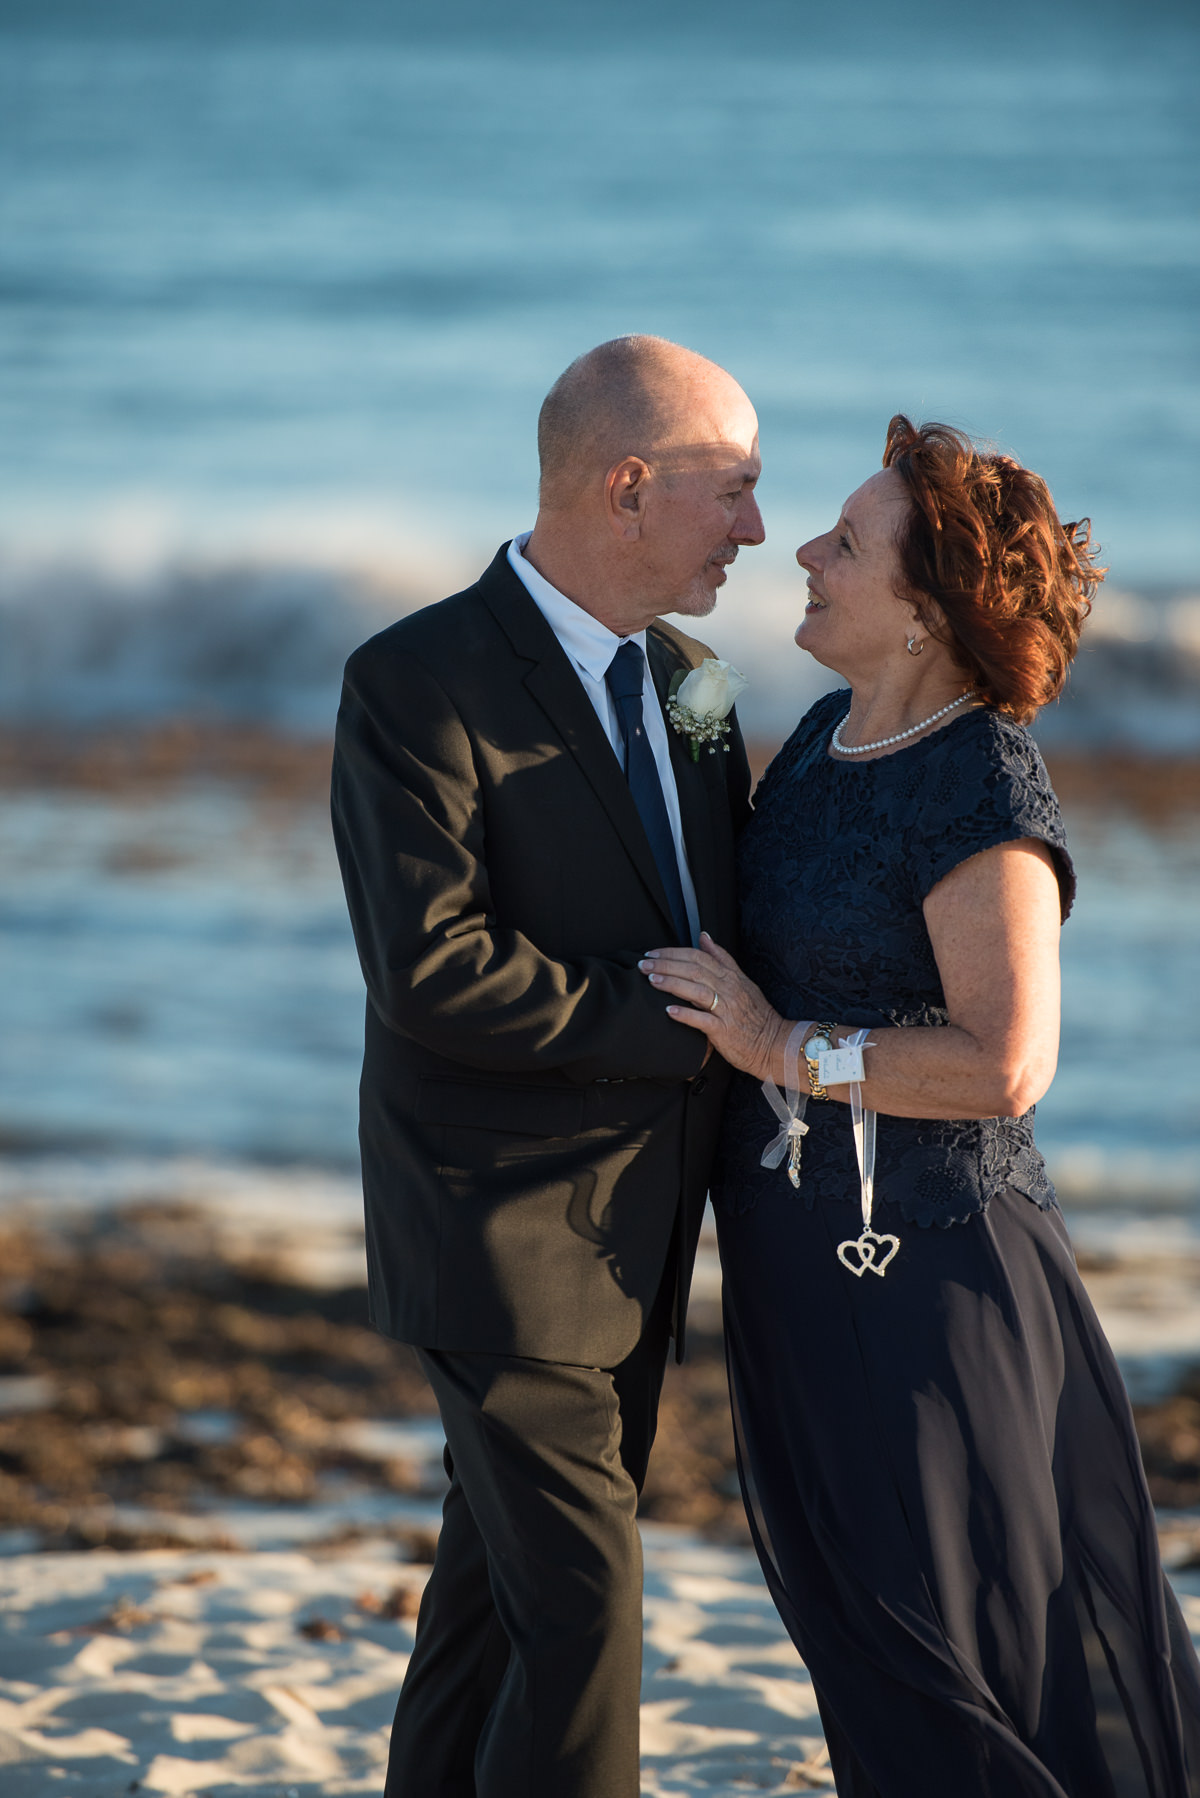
282, 284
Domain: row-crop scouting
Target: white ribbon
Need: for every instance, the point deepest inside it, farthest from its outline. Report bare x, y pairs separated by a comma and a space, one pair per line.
863, 1124
790, 1112
864, 1252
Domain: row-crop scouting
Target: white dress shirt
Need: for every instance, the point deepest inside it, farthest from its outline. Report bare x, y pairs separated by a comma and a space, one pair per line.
590, 648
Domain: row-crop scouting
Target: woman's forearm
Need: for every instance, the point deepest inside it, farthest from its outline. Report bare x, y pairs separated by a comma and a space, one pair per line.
935, 1072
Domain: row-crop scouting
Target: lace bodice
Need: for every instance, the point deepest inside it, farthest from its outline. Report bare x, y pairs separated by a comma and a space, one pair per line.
833, 870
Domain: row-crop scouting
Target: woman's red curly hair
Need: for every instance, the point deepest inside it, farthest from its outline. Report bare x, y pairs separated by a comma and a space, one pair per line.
983, 542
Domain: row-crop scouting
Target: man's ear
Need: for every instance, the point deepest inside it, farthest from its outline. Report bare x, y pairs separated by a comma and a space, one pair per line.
625, 497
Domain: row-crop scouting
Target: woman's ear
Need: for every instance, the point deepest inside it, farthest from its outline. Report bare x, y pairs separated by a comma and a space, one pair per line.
925, 618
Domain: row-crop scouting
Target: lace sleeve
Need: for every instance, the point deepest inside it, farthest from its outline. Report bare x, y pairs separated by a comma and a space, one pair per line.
979, 789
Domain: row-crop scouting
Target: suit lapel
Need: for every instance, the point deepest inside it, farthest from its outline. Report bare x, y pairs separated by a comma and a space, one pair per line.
690, 784
556, 687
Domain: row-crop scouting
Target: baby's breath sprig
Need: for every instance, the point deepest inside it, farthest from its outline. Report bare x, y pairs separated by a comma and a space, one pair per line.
698, 731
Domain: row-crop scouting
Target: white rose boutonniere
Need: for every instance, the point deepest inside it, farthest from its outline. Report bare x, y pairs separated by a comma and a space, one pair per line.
699, 703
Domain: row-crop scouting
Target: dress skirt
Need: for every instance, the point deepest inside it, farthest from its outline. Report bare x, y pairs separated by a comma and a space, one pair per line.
946, 1494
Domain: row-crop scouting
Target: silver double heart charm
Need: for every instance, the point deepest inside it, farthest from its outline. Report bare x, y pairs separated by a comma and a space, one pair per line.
867, 1247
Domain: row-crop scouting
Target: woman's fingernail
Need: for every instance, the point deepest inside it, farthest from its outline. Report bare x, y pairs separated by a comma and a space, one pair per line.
645, 963
656, 979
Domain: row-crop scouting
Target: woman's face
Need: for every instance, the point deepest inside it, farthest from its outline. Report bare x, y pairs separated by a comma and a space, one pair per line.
854, 620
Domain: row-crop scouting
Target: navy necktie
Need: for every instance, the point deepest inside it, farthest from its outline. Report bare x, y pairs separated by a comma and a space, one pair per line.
624, 680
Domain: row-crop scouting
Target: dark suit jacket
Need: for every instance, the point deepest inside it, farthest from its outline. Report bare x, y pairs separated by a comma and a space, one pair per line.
532, 1122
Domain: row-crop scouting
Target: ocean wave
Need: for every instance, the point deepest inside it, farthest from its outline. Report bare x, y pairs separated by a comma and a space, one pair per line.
1136, 679
262, 639
233, 641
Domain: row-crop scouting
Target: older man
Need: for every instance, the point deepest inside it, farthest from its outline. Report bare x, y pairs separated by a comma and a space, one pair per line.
517, 823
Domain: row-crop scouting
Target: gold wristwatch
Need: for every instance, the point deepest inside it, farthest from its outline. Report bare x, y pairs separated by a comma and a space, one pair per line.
814, 1046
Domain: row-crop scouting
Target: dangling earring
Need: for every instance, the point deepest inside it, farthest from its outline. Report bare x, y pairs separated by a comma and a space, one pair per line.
920, 645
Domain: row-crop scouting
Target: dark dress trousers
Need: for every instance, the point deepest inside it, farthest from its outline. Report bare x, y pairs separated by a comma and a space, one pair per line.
536, 1138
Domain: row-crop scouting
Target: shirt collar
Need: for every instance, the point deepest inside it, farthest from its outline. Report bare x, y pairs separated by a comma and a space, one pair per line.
590, 644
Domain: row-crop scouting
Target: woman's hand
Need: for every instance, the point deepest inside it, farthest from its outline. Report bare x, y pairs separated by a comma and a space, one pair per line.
721, 1002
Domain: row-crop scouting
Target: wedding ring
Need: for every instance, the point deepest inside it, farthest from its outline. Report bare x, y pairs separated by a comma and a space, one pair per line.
716, 1000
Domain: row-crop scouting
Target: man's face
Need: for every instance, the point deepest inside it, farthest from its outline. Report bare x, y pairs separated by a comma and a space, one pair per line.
700, 504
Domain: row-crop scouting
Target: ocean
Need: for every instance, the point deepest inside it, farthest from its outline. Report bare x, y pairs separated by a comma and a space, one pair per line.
180, 986
282, 286
281, 289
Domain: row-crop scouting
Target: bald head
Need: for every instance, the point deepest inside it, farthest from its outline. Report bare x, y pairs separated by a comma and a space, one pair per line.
634, 396
649, 462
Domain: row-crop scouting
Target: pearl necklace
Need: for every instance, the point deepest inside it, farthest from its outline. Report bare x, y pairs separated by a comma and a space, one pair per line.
862, 748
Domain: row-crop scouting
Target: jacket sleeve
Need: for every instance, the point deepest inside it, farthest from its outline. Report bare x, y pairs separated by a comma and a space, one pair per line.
439, 968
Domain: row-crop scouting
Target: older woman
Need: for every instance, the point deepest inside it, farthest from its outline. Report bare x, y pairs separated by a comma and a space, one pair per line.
937, 1454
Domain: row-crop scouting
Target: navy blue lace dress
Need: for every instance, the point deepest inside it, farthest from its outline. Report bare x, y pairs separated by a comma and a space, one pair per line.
939, 1466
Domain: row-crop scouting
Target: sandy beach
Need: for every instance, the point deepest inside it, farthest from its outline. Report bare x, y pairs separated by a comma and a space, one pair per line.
190, 1674
200, 1674
219, 1503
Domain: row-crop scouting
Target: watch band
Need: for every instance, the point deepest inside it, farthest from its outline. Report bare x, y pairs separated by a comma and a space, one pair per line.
821, 1038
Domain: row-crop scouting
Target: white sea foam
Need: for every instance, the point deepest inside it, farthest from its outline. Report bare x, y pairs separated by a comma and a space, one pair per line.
139, 624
